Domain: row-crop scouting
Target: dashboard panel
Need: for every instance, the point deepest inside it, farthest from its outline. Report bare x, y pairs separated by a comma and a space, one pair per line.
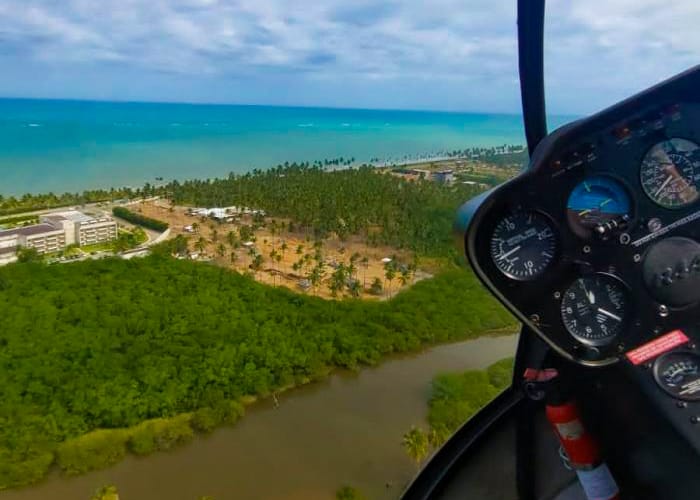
595, 246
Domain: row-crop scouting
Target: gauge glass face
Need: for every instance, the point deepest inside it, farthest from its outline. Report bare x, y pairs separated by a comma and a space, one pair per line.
670, 173
678, 373
594, 309
598, 200
523, 245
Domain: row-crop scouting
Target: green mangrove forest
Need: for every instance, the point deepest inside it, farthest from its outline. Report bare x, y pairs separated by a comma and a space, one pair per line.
101, 358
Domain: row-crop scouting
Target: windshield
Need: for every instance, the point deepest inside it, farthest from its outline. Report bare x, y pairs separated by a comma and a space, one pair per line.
226, 261
608, 51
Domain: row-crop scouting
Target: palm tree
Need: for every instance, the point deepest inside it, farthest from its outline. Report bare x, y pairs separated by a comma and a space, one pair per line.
337, 281
234, 257
365, 264
273, 258
257, 263
278, 258
284, 248
404, 276
214, 235
221, 249
232, 239
376, 287
200, 244
195, 227
316, 275
389, 274
354, 287
415, 443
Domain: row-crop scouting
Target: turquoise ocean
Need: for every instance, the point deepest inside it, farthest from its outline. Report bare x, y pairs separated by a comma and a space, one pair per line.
54, 145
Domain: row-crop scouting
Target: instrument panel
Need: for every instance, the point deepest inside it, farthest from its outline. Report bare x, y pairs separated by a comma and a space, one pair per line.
595, 246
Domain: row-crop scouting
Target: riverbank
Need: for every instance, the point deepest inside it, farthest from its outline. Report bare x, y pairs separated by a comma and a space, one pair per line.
158, 337
345, 429
105, 447
454, 398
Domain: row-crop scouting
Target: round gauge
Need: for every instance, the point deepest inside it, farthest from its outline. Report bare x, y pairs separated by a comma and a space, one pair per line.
670, 173
597, 203
594, 309
523, 245
678, 373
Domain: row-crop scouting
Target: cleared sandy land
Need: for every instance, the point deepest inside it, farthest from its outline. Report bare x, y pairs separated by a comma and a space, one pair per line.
281, 272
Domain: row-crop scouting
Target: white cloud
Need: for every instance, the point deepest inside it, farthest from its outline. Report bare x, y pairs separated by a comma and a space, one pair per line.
598, 49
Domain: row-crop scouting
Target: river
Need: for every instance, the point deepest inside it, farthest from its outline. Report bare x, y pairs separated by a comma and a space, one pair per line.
346, 429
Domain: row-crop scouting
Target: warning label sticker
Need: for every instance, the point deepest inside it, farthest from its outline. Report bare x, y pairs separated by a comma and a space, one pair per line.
657, 347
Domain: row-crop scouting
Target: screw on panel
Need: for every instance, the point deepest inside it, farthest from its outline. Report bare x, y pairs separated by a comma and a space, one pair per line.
637, 257
654, 225
586, 249
535, 318
557, 295
663, 310
625, 239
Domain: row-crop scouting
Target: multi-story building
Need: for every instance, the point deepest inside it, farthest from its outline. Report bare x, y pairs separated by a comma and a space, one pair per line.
45, 238
56, 231
81, 228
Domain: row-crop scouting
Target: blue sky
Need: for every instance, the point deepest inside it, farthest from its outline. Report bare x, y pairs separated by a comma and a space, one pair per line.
416, 54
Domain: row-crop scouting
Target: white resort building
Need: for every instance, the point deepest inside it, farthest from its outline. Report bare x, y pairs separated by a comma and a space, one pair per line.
56, 231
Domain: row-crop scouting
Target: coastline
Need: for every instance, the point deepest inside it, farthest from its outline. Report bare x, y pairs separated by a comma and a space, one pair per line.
58, 146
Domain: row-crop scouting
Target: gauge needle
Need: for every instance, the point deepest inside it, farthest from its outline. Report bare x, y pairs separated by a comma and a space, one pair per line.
603, 203
589, 295
609, 314
509, 253
587, 211
668, 179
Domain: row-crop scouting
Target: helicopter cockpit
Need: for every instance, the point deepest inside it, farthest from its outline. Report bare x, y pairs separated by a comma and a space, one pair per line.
595, 248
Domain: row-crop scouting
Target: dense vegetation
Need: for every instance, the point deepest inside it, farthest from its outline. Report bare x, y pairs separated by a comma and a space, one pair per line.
383, 208
454, 398
457, 396
92, 352
138, 219
12, 205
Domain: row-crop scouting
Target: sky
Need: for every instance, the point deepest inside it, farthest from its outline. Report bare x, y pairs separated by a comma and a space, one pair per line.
455, 55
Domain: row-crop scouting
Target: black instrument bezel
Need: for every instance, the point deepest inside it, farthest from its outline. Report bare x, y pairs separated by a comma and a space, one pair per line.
629, 310
592, 147
552, 225
658, 376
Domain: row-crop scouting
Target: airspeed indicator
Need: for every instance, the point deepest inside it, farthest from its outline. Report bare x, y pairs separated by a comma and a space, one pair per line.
523, 245
670, 173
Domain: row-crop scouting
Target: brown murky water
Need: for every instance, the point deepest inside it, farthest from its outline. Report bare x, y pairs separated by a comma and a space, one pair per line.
344, 430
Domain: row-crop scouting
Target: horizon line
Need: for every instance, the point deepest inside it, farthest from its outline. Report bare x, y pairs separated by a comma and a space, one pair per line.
291, 106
